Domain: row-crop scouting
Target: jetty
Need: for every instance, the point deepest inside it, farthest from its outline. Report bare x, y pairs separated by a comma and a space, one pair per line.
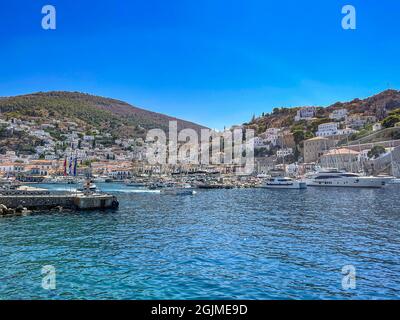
41, 199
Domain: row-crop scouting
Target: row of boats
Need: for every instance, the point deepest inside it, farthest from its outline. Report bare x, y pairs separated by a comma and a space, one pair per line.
330, 178
187, 185
320, 178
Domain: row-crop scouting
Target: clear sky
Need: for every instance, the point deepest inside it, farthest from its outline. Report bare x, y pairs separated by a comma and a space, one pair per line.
215, 62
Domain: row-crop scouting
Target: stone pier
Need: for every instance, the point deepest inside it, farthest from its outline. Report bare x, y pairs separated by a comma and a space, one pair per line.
68, 201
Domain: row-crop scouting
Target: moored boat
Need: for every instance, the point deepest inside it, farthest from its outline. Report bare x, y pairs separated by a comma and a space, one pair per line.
88, 187
283, 183
340, 178
178, 190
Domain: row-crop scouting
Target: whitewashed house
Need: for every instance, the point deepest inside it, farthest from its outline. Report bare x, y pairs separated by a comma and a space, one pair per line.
376, 126
327, 129
338, 114
284, 152
305, 113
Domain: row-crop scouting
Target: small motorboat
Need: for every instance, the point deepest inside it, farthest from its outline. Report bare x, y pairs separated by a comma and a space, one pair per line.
178, 190
136, 184
88, 187
395, 181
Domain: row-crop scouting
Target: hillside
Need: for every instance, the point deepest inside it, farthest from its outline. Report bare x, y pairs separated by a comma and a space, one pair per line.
378, 105
90, 112
385, 107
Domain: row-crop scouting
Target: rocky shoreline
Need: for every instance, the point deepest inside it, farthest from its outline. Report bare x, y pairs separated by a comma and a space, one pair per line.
23, 211
10, 212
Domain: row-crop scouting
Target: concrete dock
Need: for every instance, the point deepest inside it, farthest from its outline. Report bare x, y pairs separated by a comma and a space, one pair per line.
74, 201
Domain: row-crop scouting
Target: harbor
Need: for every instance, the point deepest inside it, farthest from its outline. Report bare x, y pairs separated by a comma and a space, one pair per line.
165, 246
199, 156
75, 193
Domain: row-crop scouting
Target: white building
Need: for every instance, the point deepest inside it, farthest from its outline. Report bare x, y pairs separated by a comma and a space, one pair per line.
272, 131
376, 126
327, 129
357, 121
271, 136
331, 129
41, 134
305, 113
88, 138
284, 152
338, 114
346, 132
363, 155
259, 142
51, 156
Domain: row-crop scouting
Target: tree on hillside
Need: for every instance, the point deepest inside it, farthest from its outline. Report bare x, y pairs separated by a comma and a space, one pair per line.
298, 136
376, 151
390, 121
395, 112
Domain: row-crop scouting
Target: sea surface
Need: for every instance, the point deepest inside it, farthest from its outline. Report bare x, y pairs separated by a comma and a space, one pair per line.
216, 244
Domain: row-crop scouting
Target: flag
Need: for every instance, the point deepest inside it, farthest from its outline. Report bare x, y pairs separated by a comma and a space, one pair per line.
70, 166
75, 165
65, 166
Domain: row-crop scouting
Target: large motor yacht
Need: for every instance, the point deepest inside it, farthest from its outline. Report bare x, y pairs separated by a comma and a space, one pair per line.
283, 183
340, 178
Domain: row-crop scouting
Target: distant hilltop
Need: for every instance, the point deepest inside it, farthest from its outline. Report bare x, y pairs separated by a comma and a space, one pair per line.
90, 112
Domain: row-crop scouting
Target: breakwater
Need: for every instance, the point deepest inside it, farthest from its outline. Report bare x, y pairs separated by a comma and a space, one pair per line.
66, 200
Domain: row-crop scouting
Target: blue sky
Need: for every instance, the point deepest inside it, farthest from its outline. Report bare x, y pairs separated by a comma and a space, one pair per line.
213, 62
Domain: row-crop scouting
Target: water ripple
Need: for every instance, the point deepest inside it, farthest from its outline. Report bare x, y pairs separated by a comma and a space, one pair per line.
218, 244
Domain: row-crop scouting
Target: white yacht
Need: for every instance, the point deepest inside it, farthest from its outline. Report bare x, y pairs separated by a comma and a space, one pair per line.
339, 178
179, 190
395, 181
283, 183
88, 186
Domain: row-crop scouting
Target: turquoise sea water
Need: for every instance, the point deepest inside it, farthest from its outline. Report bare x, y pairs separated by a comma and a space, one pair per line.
217, 244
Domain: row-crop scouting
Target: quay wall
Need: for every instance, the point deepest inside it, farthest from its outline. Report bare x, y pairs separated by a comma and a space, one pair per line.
37, 202
367, 146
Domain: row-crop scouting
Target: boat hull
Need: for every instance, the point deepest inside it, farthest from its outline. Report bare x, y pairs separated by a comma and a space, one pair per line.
294, 185
361, 182
178, 192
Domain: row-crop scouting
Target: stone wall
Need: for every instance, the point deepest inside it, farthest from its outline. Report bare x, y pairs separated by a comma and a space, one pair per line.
37, 202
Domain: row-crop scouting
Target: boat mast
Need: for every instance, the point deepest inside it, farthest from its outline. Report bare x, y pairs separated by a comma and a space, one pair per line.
350, 159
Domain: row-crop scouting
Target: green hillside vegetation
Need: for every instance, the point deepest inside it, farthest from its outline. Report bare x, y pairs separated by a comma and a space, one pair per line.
89, 112
392, 119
